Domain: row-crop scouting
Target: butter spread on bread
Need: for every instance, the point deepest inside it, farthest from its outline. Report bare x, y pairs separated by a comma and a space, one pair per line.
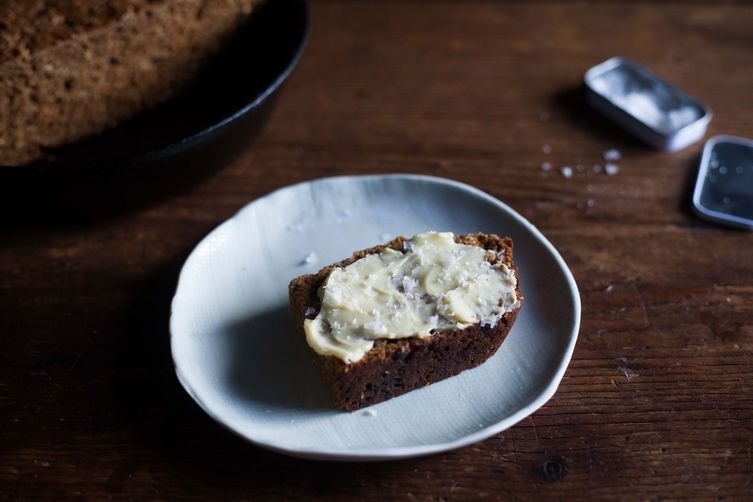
434, 284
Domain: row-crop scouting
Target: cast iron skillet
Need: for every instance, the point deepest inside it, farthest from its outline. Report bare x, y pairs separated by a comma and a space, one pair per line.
177, 144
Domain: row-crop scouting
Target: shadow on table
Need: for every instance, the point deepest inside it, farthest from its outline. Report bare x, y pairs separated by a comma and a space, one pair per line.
573, 102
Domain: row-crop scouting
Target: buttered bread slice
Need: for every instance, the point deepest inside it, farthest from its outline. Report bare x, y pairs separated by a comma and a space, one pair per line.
407, 313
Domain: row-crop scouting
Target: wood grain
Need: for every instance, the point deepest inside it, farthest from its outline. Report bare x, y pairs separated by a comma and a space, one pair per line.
658, 400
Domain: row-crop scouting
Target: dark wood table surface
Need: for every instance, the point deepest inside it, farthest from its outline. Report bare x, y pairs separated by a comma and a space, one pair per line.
658, 399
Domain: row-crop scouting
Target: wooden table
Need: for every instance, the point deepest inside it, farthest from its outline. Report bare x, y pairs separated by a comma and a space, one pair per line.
658, 400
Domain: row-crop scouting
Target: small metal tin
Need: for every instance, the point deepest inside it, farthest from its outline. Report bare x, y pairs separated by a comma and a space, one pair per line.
724, 189
649, 107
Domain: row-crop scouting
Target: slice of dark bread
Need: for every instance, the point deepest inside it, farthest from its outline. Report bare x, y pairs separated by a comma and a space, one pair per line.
394, 367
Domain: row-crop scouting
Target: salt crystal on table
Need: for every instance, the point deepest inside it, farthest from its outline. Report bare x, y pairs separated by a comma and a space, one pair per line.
546, 166
566, 171
612, 154
546, 149
629, 374
611, 169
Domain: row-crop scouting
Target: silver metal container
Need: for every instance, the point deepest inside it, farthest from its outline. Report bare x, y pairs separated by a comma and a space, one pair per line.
652, 109
724, 188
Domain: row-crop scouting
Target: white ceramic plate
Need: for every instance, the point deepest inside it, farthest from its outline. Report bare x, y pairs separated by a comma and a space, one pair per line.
236, 353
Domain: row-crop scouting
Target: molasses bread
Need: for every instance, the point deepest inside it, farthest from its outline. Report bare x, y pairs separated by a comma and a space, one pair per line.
395, 366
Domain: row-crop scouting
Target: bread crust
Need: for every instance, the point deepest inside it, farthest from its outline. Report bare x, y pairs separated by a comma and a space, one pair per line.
394, 367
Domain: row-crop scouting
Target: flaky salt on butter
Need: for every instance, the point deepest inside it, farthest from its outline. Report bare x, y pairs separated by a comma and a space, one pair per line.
435, 284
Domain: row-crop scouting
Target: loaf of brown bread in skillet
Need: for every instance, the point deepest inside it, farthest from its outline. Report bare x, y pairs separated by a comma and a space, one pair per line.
70, 69
394, 367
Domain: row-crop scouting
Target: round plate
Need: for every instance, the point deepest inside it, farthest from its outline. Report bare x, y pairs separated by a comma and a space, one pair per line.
237, 354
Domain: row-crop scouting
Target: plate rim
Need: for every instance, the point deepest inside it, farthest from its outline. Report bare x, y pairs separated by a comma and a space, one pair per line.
391, 453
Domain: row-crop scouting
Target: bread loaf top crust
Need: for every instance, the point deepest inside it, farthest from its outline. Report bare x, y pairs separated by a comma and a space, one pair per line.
28, 26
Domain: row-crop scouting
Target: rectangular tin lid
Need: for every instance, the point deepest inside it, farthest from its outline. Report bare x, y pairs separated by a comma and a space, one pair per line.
654, 110
724, 187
